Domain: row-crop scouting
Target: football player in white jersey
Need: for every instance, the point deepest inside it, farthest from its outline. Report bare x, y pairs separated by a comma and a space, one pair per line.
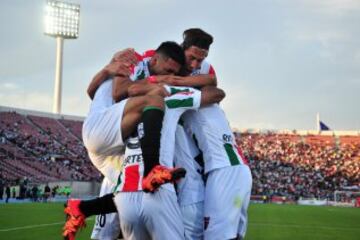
171, 103
225, 212
229, 180
108, 124
142, 214
195, 55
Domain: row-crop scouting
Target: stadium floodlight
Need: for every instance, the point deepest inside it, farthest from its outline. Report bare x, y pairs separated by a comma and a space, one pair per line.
62, 22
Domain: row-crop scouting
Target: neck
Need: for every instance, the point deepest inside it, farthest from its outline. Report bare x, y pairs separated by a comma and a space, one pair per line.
150, 66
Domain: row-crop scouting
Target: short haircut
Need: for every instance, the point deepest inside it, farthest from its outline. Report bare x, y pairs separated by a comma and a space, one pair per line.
196, 37
172, 50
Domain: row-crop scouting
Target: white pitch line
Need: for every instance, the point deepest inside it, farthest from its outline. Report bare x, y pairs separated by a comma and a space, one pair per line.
301, 226
35, 226
30, 226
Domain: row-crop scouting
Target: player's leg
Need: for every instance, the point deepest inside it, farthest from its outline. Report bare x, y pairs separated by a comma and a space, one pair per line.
193, 218
245, 194
78, 210
191, 189
224, 211
162, 215
130, 207
106, 225
148, 111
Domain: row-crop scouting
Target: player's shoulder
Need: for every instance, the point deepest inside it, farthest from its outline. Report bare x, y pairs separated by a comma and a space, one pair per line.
205, 68
141, 70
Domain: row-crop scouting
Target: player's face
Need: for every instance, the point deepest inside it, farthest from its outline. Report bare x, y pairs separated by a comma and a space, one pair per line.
194, 57
166, 66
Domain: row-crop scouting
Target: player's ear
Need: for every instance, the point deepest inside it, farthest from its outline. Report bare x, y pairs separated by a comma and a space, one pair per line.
154, 60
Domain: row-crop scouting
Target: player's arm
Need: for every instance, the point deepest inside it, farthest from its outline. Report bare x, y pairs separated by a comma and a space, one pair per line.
197, 81
124, 87
119, 66
211, 95
146, 88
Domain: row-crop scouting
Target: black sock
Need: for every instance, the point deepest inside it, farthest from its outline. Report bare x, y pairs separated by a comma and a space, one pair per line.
101, 205
149, 131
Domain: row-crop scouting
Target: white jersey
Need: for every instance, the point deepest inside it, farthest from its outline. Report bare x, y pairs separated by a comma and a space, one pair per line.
191, 189
229, 181
131, 176
205, 68
215, 138
182, 100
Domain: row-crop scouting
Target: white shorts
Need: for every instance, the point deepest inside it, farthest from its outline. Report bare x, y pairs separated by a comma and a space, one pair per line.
107, 226
226, 204
193, 217
103, 139
149, 216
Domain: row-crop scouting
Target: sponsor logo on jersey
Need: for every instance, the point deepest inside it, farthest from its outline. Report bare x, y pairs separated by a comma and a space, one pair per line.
227, 138
132, 159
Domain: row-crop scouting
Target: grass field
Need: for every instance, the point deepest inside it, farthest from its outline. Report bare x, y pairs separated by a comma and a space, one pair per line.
266, 221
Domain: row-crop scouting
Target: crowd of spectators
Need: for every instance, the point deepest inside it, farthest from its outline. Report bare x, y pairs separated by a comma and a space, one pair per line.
289, 165
297, 166
43, 149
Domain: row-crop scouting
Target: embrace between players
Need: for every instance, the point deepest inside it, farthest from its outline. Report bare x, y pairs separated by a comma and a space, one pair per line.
182, 175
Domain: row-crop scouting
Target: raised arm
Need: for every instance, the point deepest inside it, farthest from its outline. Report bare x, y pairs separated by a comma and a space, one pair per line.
197, 81
120, 65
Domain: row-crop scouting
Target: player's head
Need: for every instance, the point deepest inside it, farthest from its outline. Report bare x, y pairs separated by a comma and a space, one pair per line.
169, 58
196, 45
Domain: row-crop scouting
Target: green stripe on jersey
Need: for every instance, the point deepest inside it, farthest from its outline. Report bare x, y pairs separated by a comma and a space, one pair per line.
118, 182
176, 90
234, 160
152, 108
178, 103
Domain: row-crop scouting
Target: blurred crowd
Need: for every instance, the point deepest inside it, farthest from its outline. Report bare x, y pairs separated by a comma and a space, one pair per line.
301, 166
289, 165
43, 149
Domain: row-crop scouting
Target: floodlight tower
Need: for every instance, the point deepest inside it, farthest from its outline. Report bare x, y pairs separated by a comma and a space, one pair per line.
61, 22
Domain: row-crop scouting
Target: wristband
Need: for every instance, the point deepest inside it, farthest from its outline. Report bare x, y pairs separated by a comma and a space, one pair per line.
152, 79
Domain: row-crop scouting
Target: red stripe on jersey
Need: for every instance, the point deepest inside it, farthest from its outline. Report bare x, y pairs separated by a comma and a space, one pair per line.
148, 53
132, 178
245, 160
139, 57
212, 70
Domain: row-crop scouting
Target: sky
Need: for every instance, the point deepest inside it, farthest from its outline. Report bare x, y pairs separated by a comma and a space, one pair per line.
280, 62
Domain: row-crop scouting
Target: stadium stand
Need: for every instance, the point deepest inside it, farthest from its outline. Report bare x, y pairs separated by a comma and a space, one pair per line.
294, 166
46, 147
42, 148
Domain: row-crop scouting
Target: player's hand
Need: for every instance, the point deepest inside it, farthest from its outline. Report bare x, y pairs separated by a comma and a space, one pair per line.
127, 55
169, 80
118, 68
159, 90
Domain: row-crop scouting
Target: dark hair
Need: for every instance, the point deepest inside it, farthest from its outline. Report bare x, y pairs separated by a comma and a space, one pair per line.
172, 50
196, 37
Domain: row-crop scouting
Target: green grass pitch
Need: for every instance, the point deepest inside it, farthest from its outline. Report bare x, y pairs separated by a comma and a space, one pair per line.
266, 221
